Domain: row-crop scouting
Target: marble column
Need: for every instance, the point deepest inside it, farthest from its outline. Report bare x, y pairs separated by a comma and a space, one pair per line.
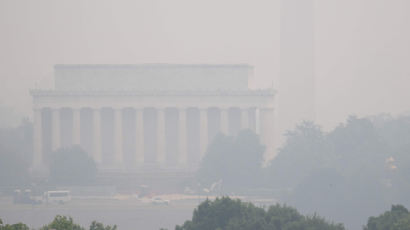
252, 120
244, 118
55, 133
161, 136
97, 135
139, 157
38, 140
257, 121
224, 121
203, 130
182, 138
118, 136
267, 130
76, 127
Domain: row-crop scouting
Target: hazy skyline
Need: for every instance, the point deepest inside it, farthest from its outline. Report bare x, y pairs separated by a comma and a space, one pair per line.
362, 46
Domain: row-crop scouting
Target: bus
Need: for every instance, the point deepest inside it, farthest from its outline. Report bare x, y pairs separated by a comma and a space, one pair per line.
59, 197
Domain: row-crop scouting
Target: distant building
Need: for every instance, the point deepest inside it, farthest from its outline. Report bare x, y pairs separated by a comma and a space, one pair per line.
147, 117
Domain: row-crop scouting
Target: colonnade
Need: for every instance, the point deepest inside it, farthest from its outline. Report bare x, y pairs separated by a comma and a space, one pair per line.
262, 116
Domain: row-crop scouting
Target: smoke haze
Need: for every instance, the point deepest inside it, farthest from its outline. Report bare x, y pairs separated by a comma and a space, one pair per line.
361, 46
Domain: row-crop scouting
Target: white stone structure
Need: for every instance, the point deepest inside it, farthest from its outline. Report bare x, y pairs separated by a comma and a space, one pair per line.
151, 116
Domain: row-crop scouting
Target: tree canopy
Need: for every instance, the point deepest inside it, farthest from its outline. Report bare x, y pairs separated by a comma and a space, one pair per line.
67, 223
18, 226
62, 223
235, 161
15, 154
229, 214
363, 165
398, 218
72, 166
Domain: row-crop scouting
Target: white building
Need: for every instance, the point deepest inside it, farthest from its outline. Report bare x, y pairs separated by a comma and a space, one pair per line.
150, 116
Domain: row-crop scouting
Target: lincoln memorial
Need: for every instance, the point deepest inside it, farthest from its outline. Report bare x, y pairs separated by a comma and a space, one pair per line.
131, 118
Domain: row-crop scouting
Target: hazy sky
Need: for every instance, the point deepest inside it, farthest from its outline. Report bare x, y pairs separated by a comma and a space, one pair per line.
362, 46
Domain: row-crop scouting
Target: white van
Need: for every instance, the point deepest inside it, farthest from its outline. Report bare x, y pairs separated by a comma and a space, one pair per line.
59, 197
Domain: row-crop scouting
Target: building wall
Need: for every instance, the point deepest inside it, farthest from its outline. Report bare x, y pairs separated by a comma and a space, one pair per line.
152, 77
147, 117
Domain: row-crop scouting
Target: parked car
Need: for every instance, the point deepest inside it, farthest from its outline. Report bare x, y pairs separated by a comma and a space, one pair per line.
159, 200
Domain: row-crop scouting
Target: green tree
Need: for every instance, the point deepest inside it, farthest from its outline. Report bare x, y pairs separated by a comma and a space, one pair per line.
398, 218
15, 154
18, 226
59, 223
236, 161
227, 214
99, 226
72, 166
304, 151
13, 169
396, 134
62, 223
362, 165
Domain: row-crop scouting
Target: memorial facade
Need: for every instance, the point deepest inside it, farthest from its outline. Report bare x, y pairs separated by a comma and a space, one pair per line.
147, 117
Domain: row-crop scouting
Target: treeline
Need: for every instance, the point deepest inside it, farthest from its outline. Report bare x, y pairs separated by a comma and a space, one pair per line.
59, 223
233, 214
354, 171
16, 147
16, 153
229, 214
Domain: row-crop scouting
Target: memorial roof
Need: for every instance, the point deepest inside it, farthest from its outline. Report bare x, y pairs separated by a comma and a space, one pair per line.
152, 77
259, 92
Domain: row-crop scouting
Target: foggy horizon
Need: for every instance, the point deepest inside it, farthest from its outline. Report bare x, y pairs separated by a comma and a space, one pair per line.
204, 115
350, 36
